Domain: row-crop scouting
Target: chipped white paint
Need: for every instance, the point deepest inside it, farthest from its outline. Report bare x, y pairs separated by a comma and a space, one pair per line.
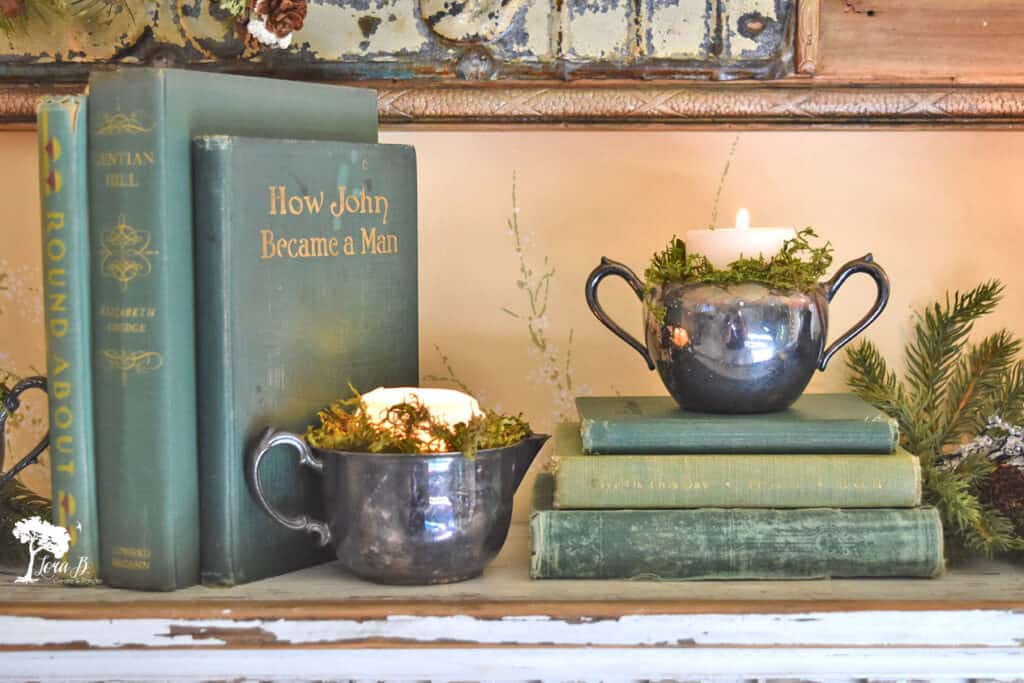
987, 628
333, 32
734, 43
476, 19
541, 24
677, 29
598, 29
517, 664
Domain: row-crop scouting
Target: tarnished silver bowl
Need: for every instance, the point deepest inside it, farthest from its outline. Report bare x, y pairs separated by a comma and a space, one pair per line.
743, 348
406, 519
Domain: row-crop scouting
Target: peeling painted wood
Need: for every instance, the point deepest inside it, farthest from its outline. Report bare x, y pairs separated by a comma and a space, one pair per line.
441, 39
522, 664
974, 628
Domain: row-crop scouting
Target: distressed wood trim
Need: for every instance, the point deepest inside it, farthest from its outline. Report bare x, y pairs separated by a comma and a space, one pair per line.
940, 629
680, 663
796, 102
360, 610
790, 104
808, 20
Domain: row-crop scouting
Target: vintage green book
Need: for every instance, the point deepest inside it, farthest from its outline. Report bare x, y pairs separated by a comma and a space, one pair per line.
141, 124
731, 480
61, 126
306, 282
816, 423
730, 543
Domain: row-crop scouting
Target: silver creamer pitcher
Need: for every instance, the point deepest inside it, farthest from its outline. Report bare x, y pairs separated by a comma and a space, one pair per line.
406, 518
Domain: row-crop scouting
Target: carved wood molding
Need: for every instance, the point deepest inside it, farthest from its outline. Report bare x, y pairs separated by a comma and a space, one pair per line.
807, 31
678, 104
793, 103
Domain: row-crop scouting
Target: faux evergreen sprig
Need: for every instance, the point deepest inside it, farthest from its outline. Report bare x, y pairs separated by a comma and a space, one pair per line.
949, 390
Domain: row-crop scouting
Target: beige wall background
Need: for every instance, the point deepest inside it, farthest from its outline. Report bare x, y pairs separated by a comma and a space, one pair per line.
939, 210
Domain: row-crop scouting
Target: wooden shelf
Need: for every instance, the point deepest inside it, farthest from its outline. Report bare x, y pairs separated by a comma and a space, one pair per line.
969, 621
505, 589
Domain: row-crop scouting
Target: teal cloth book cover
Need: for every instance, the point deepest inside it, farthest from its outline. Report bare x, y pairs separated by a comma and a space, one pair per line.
731, 543
141, 125
815, 423
61, 125
306, 282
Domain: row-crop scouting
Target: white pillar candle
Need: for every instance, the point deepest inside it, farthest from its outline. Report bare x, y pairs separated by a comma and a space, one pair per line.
722, 246
447, 406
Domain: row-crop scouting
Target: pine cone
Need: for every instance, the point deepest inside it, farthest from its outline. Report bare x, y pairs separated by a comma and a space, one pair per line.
283, 16
1005, 490
14, 8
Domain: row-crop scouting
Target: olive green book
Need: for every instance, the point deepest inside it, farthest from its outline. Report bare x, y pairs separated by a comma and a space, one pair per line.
815, 423
141, 125
306, 281
731, 543
731, 480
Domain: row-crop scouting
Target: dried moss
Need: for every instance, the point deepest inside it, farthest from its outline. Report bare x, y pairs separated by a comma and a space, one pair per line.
345, 426
799, 265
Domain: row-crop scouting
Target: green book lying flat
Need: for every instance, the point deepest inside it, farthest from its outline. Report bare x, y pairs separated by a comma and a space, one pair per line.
719, 543
745, 480
816, 423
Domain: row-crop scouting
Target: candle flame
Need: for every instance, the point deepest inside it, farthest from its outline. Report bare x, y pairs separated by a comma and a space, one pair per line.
742, 219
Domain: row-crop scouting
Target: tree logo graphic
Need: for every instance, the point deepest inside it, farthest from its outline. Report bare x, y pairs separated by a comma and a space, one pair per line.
40, 535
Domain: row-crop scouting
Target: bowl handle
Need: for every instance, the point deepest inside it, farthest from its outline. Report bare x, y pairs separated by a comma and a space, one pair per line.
271, 438
866, 264
606, 268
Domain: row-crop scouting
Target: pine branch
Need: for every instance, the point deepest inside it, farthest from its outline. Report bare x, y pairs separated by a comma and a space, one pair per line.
1007, 401
977, 377
872, 380
993, 533
939, 336
950, 389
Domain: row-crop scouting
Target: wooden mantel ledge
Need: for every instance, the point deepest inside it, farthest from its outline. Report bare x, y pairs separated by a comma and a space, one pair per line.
505, 590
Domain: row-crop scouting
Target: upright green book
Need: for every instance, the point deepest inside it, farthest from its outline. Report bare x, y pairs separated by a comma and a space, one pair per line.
731, 480
816, 423
141, 124
62, 133
296, 299
730, 543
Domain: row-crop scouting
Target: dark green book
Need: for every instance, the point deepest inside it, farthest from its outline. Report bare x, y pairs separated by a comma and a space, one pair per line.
730, 543
141, 124
816, 423
753, 480
64, 196
295, 301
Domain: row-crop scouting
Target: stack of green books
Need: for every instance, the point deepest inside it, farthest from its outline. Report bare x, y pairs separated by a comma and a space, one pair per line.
644, 490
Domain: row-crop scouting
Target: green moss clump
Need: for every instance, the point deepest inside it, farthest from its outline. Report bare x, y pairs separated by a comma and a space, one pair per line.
798, 266
344, 426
